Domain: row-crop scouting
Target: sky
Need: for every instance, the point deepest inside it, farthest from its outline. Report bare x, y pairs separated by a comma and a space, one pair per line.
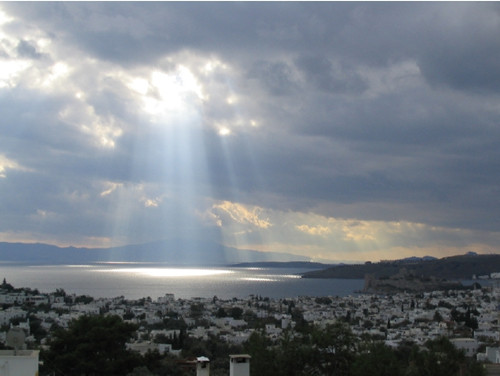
342, 131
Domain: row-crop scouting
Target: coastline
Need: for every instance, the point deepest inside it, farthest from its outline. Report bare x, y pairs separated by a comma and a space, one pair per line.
135, 281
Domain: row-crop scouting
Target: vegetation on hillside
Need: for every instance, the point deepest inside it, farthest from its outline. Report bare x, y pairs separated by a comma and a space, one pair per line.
456, 267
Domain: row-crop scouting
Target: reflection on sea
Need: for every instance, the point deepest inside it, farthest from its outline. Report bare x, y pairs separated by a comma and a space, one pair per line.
169, 272
138, 280
258, 279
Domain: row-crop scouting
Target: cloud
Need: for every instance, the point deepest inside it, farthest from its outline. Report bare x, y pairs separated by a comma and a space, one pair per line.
7, 164
330, 76
314, 230
241, 214
279, 78
111, 187
321, 237
464, 52
27, 50
322, 128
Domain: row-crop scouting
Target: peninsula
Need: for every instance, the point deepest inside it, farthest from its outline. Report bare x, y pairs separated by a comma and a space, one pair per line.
463, 267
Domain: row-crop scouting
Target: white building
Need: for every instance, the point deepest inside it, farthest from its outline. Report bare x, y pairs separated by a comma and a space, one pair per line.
168, 298
202, 366
37, 299
19, 363
11, 313
239, 365
12, 298
87, 309
492, 334
469, 345
491, 355
143, 347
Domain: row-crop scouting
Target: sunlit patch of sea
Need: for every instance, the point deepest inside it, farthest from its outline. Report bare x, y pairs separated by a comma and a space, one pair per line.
138, 280
169, 272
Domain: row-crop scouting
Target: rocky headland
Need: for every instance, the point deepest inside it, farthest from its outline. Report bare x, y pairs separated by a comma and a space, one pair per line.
405, 281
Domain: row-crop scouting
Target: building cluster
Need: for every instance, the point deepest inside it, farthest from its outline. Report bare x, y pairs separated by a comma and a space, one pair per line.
470, 318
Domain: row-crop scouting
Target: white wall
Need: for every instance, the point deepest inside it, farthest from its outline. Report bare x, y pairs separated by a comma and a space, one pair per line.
239, 365
25, 363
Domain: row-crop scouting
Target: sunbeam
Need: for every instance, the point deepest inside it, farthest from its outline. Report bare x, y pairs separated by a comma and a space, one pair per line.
169, 153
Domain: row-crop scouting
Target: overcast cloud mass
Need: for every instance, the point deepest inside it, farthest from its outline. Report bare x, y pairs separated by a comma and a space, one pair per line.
340, 131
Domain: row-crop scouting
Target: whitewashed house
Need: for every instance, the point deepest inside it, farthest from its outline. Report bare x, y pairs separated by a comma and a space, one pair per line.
239, 365
19, 362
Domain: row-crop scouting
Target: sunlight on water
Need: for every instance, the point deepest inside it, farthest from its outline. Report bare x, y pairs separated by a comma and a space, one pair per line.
79, 266
107, 280
256, 279
170, 272
270, 278
291, 276
121, 263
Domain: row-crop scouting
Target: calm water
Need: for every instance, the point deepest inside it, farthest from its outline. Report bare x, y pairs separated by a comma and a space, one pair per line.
135, 281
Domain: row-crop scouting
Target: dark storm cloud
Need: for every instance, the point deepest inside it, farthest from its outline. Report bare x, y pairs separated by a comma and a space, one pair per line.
28, 124
431, 151
133, 32
324, 76
276, 77
374, 111
465, 55
454, 43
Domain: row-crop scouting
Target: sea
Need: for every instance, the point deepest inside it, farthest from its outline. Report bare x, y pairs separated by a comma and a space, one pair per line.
141, 280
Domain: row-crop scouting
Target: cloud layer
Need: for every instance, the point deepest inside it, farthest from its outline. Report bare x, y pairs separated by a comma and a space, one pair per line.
342, 131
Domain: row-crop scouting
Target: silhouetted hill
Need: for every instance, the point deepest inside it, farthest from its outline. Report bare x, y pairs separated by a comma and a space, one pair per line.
173, 251
455, 267
284, 264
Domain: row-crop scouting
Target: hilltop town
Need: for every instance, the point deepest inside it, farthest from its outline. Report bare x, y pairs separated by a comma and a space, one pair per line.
469, 319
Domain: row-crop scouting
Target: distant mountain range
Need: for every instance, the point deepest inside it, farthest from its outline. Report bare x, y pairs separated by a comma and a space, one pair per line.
182, 252
283, 264
416, 259
455, 267
173, 252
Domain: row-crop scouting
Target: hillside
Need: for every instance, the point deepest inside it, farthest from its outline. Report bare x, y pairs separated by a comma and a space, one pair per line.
283, 264
455, 267
172, 251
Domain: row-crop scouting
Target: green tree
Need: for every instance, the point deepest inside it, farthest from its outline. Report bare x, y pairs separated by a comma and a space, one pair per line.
221, 312
91, 346
376, 359
196, 310
442, 358
323, 300
6, 286
437, 316
36, 328
236, 313
60, 292
84, 299
263, 355
335, 349
295, 356
439, 357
